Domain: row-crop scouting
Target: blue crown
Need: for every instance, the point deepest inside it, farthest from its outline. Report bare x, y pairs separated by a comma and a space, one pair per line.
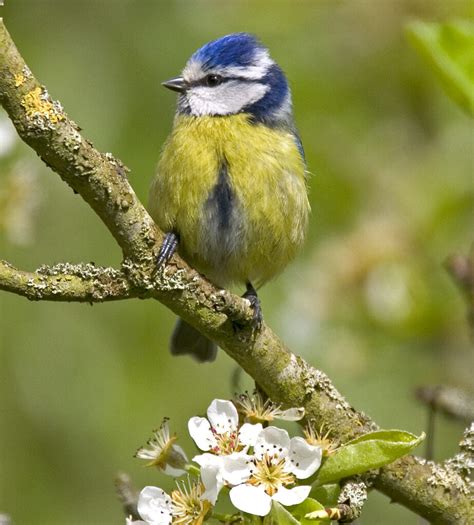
237, 49
241, 51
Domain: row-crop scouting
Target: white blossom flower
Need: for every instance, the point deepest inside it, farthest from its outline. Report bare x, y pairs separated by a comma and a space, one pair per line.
163, 452
212, 472
184, 506
155, 506
220, 433
255, 409
271, 472
220, 437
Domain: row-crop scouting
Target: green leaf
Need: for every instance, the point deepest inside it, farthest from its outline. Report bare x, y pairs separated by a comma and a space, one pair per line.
327, 494
449, 50
305, 507
279, 516
367, 452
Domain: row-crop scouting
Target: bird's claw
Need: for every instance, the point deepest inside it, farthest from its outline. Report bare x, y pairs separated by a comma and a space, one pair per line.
167, 249
257, 318
252, 297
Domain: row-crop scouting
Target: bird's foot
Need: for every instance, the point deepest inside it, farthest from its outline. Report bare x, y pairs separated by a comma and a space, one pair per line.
167, 249
252, 297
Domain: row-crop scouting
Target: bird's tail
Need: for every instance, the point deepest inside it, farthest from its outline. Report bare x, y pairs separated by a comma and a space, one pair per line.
187, 340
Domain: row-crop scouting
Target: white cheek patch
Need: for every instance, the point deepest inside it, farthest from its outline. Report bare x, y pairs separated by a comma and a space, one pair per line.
226, 99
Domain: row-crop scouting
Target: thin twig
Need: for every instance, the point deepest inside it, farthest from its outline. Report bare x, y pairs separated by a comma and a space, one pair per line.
449, 400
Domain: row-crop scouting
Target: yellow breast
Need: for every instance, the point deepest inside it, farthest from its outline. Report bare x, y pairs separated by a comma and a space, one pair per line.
235, 193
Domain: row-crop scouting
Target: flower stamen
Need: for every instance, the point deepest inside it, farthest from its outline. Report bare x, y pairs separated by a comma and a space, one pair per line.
319, 438
270, 472
187, 506
162, 452
255, 409
227, 443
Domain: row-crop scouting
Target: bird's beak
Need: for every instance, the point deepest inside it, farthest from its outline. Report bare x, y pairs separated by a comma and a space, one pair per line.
176, 84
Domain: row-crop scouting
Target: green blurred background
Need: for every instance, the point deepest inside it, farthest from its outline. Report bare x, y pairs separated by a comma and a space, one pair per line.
368, 301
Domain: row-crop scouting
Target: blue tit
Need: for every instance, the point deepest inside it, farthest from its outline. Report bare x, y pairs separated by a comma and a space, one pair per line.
230, 191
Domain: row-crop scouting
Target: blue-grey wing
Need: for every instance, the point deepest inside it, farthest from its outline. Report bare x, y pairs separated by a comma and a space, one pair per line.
299, 144
289, 124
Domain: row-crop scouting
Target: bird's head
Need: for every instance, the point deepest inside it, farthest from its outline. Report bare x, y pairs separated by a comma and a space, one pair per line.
230, 75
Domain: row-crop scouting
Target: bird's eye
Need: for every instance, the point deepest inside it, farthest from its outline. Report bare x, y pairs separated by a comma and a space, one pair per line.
213, 80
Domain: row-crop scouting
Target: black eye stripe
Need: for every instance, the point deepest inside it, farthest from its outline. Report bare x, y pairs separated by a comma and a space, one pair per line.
203, 81
213, 80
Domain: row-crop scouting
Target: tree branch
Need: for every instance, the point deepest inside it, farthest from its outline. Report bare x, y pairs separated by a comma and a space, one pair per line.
463, 461
101, 181
350, 503
450, 400
84, 283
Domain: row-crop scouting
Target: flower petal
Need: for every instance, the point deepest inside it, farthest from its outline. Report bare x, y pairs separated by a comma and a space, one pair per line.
175, 462
237, 468
208, 460
173, 471
223, 416
304, 459
253, 500
212, 481
200, 430
292, 496
154, 506
272, 440
292, 414
248, 433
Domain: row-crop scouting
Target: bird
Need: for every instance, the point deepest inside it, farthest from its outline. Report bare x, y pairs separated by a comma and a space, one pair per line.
231, 187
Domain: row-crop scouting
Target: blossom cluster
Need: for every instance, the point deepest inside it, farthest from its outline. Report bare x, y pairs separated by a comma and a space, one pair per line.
254, 462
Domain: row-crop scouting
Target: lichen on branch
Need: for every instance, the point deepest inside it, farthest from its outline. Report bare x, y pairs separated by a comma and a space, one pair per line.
66, 282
